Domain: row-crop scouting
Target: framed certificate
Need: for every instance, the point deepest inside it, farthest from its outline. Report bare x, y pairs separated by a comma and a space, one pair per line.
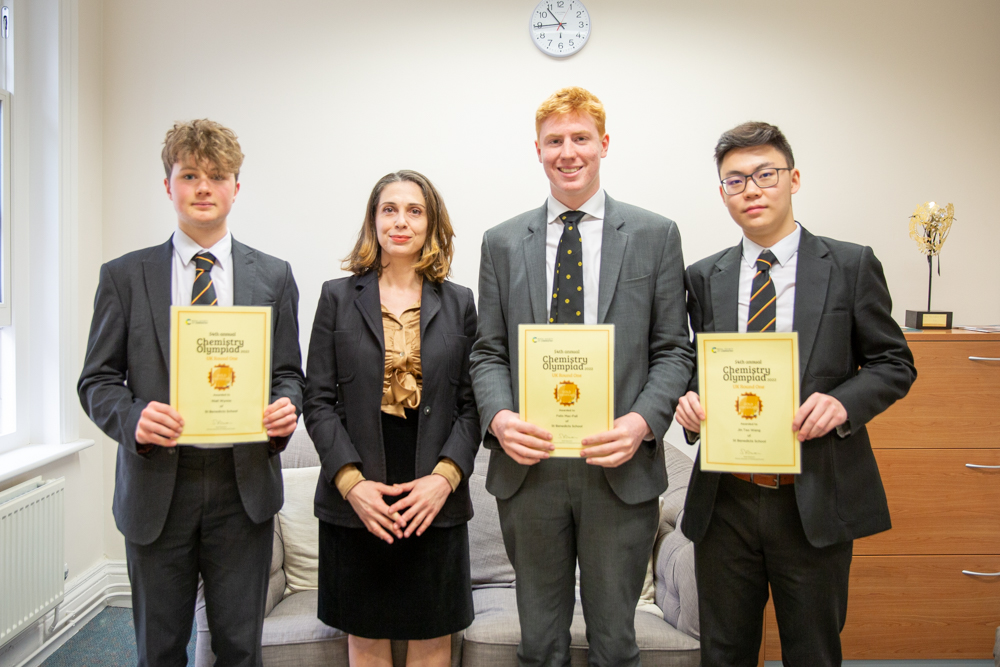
567, 381
749, 388
220, 372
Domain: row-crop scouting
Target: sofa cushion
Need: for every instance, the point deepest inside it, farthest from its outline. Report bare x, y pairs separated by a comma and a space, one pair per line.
276, 582
676, 588
492, 638
300, 529
488, 558
300, 452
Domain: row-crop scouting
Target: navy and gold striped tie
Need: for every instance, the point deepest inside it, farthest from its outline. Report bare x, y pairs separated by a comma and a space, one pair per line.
763, 306
203, 293
567, 287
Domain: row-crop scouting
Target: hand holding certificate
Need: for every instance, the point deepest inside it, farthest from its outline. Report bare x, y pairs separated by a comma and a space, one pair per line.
220, 372
567, 381
749, 386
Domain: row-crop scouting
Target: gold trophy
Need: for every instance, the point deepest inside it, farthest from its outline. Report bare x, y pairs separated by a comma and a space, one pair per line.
929, 227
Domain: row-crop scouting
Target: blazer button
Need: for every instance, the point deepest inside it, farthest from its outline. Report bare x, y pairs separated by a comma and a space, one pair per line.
427, 409
172, 450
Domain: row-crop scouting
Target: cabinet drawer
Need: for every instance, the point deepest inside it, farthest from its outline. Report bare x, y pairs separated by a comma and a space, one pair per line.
953, 403
939, 505
915, 608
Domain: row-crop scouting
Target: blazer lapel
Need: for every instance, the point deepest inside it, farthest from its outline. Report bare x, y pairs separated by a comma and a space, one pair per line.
724, 285
430, 304
812, 276
613, 242
370, 305
534, 258
156, 271
244, 274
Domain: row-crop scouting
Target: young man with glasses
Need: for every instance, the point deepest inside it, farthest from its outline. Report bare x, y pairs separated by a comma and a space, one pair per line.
793, 532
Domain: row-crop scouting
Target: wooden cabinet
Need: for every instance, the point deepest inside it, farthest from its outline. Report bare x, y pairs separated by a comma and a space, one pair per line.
938, 452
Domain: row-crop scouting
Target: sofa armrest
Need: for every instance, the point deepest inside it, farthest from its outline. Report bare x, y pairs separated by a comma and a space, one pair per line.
276, 583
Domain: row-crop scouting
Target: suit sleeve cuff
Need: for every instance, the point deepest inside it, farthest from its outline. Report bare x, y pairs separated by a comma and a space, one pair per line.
347, 478
450, 471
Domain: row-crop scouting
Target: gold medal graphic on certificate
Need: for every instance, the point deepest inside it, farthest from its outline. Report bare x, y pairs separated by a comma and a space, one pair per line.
220, 372
749, 388
567, 381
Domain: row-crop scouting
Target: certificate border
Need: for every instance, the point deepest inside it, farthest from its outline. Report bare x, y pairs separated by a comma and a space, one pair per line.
211, 438
792, 338
525, 329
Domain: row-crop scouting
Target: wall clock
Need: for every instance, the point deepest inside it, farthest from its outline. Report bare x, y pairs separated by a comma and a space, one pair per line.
559, 28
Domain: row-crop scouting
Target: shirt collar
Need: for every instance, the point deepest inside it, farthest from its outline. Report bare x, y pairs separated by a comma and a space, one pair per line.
185, 246
783, 250
594, 207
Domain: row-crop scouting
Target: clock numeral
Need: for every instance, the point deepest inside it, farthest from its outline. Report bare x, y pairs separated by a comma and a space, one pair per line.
560, 46
579, 15
550, 42
539, 24
560, 4
582, 24
544, 15
541, 35
579, 35
571, 44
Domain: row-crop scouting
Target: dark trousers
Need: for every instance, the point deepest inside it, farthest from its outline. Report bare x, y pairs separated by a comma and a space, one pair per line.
756, 538
565, 512
207, 532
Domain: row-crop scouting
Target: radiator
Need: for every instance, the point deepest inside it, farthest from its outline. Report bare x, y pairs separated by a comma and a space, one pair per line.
31, 553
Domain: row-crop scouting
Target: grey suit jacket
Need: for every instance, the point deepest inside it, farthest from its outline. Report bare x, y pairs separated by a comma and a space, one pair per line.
346, 370
849, 348
640, 291
128, 364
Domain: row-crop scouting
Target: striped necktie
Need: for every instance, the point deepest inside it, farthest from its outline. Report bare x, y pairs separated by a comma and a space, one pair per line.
203, 293
567, 287
763, 307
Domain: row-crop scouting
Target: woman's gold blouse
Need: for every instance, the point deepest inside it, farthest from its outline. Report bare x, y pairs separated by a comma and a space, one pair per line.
401, 388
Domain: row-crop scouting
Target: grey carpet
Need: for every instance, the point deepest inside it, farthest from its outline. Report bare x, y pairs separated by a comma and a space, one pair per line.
107, 641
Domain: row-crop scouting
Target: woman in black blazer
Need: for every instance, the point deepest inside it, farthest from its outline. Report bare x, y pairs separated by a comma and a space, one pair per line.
390, 408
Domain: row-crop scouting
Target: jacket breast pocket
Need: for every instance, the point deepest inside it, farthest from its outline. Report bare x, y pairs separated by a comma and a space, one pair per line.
831, 356
345, 350
457, 347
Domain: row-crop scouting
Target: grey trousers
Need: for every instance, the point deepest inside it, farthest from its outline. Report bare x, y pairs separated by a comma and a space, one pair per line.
207, 532
756, 538
563, 513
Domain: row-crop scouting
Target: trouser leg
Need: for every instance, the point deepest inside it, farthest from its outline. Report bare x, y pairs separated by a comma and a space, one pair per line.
235, 561
732, 579
540, 538
614, 544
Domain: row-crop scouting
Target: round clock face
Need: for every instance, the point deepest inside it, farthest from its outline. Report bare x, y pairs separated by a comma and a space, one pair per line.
560, 28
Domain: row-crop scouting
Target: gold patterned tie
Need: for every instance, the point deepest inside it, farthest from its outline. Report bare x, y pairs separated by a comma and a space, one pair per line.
203, 293
763, 299
567, 287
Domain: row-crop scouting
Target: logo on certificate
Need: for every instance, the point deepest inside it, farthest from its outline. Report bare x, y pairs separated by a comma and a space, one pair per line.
749, 406
221, 377
567, 393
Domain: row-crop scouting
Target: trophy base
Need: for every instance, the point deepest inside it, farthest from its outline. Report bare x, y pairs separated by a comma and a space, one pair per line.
921, 319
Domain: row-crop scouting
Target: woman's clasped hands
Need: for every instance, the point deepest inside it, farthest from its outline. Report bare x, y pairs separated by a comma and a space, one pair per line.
413, 513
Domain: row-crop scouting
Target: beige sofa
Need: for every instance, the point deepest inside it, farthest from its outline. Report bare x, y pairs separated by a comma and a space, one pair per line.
293, 636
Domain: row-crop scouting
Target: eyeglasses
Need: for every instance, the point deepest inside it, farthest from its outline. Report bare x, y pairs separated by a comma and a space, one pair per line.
764, 178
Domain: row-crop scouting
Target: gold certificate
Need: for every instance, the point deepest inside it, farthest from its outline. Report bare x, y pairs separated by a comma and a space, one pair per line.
567, 381
749, 387
220, 372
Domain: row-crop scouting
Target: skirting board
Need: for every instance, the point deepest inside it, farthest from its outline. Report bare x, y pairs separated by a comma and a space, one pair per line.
86, 595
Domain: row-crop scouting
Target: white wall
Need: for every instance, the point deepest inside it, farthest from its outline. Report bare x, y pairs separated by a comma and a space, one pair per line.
886, 105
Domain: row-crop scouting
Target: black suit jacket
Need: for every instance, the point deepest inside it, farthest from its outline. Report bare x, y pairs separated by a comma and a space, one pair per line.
128, 365
849, 348
345, 372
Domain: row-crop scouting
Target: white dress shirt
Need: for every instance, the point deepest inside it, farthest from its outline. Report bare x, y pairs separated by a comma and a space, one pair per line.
786, 251
592, 230
182, 279
184, 269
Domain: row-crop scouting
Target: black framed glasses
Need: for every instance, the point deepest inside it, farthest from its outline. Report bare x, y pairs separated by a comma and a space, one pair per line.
766, 177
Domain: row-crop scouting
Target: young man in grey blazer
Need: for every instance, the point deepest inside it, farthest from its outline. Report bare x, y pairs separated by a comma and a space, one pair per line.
187, 510
600, 511
792, 532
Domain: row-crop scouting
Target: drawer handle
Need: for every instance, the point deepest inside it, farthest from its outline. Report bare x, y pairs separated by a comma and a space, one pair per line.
984, 358
976, 465
981, 574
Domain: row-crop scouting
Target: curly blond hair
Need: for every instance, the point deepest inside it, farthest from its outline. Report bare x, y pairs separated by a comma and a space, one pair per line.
203, 141
571, 100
